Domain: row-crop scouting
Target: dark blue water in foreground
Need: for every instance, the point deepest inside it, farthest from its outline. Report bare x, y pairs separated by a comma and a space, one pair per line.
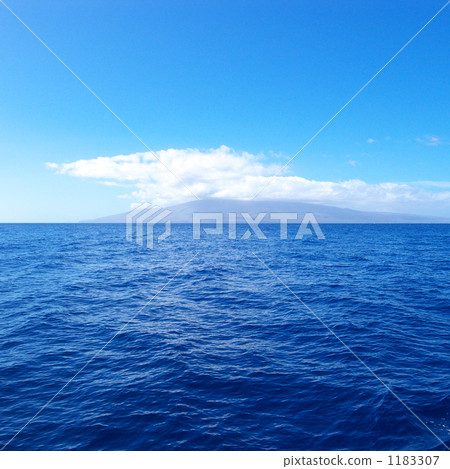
225, 357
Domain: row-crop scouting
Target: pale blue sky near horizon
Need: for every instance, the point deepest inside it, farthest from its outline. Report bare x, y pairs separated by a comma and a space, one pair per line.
259, 77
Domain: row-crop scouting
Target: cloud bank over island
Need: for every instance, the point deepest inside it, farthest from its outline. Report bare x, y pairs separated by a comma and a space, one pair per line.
225, 173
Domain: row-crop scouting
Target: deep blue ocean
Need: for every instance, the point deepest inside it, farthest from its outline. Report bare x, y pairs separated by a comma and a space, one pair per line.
225, 357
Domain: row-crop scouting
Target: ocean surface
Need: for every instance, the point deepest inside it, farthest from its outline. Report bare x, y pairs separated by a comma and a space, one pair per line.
225, 357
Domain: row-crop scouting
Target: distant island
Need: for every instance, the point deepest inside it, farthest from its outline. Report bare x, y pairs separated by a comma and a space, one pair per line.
182, 213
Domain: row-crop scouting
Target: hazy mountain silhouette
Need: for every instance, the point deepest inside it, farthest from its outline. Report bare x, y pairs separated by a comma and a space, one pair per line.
182, 213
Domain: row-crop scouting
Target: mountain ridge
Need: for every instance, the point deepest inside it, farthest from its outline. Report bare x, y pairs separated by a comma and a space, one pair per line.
182, 213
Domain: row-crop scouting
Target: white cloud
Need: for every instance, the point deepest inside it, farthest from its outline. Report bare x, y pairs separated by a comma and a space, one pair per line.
225, 173
371, 140
351, 162
437, 184
112, 183
431, 141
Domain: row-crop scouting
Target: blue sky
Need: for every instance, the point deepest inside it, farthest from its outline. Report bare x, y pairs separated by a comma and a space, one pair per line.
257, 77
